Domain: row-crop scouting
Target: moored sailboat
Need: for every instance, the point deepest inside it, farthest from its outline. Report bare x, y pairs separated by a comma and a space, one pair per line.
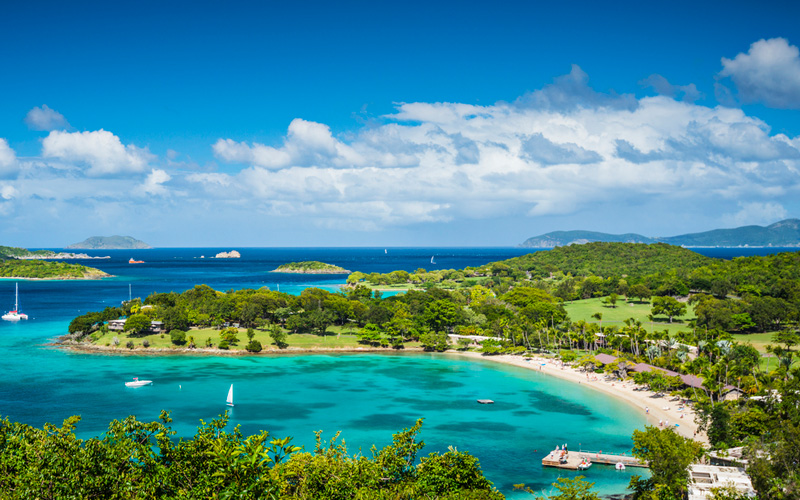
230, 396
15, 315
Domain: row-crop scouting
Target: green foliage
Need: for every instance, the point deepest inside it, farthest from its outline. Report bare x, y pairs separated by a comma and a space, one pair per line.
434, 341
137, 323
223, 344
278, 336
177, 337
228, 335
668, 306
254, 346
574, 489
669, 456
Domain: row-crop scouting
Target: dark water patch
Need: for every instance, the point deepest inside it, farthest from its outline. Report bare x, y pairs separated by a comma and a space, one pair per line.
385, 421
356, 389
524, 413
554, 404
476, 426
321, 405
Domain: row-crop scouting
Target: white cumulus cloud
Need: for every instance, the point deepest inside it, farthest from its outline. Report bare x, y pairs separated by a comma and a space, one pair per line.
8, 159
562, 150
154, 182
768, 73
100, 150
44, 118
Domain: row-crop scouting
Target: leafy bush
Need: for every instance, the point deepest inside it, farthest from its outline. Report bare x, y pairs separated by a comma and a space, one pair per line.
254, 346
178, 337
223, 344
129, 345
145, 343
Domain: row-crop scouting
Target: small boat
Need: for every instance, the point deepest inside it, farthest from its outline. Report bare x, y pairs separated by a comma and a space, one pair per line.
138, 383
585, 464
131, 261
15, 315
486, 401
432, 261
620, 466
230, 396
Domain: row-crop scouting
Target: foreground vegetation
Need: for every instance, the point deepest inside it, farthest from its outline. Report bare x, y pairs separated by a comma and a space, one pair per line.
689, 314
143, 460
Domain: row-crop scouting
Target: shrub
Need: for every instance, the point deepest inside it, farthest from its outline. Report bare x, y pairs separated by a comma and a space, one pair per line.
178, 337
129, 345
115, 340
146, 343
223, 344
254, 346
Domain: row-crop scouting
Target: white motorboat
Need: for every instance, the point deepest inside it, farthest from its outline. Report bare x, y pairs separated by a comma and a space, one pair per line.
620, 466
15, 315
138, 383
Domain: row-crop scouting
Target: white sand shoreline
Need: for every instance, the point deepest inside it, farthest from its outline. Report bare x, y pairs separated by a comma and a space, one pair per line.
661, 409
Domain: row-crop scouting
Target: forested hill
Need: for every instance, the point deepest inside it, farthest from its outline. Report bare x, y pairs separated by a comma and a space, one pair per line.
609, 259
785, 233
564, 238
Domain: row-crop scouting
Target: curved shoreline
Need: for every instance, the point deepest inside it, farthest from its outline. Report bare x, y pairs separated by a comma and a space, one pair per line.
661, 409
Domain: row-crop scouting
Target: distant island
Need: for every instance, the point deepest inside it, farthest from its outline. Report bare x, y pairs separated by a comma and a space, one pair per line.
785, 233
310, 267
110, 243
21, 263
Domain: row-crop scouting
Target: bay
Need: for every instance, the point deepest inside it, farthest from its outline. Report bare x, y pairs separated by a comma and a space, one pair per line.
366, 396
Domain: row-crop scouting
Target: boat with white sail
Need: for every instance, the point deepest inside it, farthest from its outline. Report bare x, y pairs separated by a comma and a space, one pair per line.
230, 396
15, 315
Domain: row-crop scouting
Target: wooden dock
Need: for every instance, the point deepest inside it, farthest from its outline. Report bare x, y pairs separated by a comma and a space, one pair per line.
570, 460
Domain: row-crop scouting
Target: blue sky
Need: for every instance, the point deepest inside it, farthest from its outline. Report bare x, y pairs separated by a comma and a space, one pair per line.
393, 123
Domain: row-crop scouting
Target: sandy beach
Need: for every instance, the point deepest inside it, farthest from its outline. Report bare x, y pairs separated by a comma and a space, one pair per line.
662, 411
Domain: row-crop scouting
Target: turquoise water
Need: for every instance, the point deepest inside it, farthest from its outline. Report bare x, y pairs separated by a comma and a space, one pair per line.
366, 396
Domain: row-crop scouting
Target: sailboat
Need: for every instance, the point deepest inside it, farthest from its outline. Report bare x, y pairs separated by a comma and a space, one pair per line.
15, 315
230, 396
432, 261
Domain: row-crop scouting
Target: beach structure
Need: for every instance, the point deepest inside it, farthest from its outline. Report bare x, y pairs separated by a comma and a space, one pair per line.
572, 460
707, 477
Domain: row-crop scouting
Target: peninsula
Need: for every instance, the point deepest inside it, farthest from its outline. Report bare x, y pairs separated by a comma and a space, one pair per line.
110, 243
310, 267
25, 254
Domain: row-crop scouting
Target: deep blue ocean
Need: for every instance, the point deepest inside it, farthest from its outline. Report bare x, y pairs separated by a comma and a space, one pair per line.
366, 396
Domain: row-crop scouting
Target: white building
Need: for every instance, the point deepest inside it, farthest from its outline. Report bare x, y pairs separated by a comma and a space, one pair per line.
706, 477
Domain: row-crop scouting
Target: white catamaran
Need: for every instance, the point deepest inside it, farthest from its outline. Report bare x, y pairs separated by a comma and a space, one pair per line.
230, 396
15, 315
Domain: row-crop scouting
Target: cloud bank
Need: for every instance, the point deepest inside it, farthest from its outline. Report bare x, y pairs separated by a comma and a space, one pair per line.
565, 150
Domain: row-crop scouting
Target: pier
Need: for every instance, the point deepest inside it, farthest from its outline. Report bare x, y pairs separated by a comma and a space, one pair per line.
570, 460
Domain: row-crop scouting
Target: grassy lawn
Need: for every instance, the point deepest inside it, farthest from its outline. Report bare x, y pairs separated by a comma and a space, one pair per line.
758, 340
337, 337
614, 316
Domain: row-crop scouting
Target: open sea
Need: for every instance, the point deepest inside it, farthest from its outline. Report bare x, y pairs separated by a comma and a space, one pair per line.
366, 396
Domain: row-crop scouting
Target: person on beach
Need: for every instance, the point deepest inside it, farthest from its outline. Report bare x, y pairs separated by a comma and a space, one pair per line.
647, 410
